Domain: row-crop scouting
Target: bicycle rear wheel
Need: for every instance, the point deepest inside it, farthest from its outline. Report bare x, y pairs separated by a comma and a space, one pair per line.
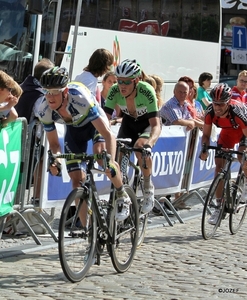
125, 235
76, 251
237, 217
208, 230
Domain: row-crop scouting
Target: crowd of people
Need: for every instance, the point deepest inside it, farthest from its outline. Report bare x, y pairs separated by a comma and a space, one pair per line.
133, 99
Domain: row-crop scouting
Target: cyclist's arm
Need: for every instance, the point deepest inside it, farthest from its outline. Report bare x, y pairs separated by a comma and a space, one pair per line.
206, 139
55, 148
107, 134
52, 138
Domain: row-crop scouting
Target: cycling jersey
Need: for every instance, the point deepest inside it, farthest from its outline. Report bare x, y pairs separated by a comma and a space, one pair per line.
81, 105
232, 125
83, 109
146, 108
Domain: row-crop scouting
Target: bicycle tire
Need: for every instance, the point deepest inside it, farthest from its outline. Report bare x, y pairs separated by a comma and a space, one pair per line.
208, 230
125, 236
237, 217
143, 221
76, 254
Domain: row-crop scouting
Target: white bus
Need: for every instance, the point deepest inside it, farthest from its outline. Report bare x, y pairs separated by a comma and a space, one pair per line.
170, 38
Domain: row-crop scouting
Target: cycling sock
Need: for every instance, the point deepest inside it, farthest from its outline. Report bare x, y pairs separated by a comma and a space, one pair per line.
147, 182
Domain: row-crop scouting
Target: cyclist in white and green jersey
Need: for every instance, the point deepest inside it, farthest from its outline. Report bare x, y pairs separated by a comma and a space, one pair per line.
138, 103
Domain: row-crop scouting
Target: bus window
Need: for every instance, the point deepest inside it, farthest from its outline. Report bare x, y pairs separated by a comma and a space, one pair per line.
16, 39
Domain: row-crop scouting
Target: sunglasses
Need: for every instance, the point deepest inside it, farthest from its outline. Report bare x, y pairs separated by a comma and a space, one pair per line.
126, 82
53, 92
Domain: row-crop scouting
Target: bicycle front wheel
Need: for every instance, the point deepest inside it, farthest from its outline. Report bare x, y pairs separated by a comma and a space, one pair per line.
125, 236
237, 217
211, 208
76, 247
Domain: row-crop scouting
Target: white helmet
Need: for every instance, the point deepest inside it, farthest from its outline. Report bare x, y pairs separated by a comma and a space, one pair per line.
128, 68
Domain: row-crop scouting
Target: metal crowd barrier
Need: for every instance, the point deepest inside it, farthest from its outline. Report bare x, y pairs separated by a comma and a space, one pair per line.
31, 154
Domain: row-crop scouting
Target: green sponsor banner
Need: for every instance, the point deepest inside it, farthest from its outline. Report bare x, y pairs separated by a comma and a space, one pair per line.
10, 159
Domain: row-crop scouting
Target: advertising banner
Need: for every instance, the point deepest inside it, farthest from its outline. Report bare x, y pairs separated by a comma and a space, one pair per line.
10, 158
168, 154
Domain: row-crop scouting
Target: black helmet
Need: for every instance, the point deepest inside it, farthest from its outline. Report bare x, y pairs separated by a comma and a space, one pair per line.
54, 78
221, 92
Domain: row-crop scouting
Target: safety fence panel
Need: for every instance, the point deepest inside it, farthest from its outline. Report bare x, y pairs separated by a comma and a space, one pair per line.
11, 143
169, 155
202, 172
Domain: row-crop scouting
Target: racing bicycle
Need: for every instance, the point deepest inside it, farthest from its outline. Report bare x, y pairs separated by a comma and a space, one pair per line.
81, 247
123, 157
230, 203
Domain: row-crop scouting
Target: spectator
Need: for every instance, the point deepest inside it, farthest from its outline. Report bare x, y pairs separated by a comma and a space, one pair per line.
140, 121
27, 107
99, 63
195, 108
239, 90
33, 94
176, 112
108, 80
202, 95
10, 92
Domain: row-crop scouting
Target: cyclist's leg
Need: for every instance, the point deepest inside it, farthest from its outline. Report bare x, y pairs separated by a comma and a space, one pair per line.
76, 142
113, 173
243, 147
148, 202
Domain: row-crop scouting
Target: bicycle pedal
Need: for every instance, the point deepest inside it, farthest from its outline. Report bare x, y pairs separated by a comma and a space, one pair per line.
77, 234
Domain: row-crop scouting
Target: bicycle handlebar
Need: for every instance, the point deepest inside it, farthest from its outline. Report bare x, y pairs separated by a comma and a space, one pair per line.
83, 157
219, 148
124, 147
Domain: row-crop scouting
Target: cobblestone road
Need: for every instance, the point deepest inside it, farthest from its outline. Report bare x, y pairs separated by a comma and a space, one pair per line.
173, 263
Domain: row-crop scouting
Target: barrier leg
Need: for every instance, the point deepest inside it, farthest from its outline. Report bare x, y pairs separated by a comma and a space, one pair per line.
2, 224
16, 215
171, 207
163, 212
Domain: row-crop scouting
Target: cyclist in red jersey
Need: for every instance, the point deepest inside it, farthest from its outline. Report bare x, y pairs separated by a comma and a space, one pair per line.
231, 116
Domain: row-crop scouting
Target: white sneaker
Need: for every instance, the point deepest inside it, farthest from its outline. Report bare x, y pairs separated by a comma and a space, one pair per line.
122, 208
148, 201
214, 217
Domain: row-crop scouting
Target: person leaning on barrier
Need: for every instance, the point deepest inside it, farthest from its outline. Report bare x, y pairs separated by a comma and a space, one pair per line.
33, 94
10, 92
27, 107
231, 116
74, 105
140, 122
176, 112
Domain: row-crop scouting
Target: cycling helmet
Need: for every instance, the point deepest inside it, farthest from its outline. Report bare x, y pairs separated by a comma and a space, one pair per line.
221, 92
129, 69
54, 78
